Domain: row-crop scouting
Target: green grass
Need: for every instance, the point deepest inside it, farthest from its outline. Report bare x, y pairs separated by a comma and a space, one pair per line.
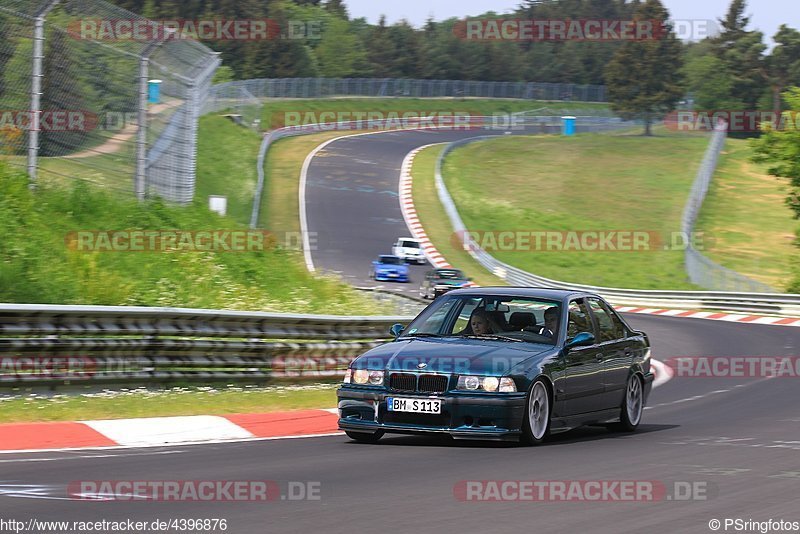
173, 402
606, 182
749, 227
227, 156
274, 109
37, 266
435, 222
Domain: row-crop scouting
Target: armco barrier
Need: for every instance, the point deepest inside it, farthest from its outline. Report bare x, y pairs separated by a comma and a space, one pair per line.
770, 303
49, 345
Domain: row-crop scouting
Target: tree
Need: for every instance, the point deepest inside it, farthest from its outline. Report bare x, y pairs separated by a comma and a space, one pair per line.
644, 77
7, 48
742, 53
340, 53
782, 67
337, 8
780, 150
708, 80
61, 92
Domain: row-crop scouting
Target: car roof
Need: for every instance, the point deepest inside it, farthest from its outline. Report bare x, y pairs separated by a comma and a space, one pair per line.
408, 239
448, 270
540, 292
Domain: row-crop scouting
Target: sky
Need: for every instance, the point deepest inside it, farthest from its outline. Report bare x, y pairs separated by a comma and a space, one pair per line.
766, 15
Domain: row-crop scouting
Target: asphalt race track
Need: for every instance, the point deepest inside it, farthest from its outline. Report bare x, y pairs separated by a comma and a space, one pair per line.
736, 440
739, 438
352, 202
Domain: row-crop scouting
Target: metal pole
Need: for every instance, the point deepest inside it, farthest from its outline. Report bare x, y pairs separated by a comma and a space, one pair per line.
140, 178
141, 133
36, 91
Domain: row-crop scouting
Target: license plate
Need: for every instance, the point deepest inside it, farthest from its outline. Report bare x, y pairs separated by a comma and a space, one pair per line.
393, 275
400, 404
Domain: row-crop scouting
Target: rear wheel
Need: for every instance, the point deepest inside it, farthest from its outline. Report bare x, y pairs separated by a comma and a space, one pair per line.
364, 437
632, 406
536, 426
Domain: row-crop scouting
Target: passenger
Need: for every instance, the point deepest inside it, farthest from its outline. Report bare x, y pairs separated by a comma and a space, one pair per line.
481, 324
550, 328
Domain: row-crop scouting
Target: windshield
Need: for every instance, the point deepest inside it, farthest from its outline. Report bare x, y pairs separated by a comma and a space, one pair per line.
409, 244
491, 317
391, 260
450, 275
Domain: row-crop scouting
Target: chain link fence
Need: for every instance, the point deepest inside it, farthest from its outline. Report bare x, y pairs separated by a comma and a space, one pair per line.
376, 87
76, 104
702, 270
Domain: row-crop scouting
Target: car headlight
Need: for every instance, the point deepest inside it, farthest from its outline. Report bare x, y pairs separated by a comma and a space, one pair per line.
487, 383
376, 378
365, 376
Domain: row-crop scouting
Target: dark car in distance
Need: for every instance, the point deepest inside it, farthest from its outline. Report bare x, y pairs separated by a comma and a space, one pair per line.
501, 364
437, 282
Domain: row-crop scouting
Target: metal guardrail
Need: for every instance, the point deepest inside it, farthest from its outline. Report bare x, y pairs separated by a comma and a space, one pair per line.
51, 345
756, 302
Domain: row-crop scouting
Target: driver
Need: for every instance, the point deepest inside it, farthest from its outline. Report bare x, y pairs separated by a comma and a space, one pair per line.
550, 328
481, 324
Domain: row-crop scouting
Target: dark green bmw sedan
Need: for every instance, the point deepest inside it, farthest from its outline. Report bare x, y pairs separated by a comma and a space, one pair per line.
501, 364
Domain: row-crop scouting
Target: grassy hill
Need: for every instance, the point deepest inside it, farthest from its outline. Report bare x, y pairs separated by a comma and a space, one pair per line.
37, 266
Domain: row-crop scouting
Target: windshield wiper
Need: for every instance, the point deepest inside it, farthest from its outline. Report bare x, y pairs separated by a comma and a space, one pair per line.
422, 334
492, 336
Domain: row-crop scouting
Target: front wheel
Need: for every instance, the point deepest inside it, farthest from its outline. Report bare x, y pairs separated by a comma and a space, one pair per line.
631, 412
536, 426
364, 437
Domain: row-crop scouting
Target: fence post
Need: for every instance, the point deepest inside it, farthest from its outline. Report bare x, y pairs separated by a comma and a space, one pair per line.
36, 91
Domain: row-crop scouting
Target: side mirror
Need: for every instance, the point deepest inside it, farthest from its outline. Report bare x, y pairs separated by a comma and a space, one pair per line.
396, 330
582, 339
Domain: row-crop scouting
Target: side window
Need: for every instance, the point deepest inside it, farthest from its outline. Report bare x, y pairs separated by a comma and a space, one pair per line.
608, 331
620, 331
578, 319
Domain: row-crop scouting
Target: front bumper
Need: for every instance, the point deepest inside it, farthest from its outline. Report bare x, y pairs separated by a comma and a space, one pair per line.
384, 277
464, 415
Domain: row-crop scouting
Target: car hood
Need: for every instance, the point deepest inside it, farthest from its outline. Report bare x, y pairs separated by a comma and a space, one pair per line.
450, 282
451, 356
391, 267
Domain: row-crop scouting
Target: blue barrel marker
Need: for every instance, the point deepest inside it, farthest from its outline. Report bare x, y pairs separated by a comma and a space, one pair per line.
569, 125
153, 91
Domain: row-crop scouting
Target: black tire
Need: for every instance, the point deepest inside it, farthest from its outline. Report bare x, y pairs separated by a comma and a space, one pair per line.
537, 396
364, 437
631, 416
